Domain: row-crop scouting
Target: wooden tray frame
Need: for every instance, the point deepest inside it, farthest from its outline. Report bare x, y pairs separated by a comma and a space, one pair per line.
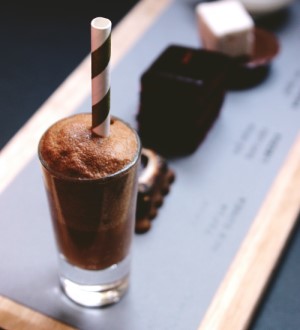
242, 287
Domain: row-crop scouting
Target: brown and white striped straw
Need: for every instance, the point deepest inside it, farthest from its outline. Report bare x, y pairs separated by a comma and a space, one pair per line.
100, 59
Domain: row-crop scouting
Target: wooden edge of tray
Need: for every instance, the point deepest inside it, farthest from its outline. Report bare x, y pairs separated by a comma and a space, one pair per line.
70, 94
14, 316
74, 90
248, 275
241, 289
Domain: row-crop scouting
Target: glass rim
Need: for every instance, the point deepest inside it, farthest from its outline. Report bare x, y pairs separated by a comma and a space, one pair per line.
105, 178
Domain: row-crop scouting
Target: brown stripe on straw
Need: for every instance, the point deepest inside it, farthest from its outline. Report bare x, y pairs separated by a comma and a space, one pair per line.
100, 110
101, 57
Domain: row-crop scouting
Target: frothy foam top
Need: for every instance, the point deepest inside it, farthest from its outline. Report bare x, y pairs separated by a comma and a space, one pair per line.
70, 148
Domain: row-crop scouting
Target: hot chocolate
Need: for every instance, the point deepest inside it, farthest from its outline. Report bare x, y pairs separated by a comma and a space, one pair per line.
91, 184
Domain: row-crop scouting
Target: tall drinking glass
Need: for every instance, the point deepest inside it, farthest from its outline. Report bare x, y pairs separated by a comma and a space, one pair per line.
93, 217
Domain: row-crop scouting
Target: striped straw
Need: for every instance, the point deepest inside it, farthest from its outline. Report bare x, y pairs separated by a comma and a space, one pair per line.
100, 54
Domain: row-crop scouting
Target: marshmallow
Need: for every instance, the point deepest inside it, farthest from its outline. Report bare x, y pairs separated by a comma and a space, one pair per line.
226, 26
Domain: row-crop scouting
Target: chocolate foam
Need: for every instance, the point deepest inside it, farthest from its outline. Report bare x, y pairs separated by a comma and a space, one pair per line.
70, 148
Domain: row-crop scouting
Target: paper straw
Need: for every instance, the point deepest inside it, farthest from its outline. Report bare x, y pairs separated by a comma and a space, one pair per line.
100, 58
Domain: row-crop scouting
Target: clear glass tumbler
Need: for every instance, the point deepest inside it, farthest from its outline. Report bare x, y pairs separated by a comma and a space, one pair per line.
93, 221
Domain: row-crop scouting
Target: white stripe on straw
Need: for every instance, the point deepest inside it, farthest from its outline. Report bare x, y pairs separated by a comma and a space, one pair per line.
99, 88
100, 51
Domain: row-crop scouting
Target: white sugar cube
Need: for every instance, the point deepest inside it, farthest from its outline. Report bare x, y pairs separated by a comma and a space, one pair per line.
225, 26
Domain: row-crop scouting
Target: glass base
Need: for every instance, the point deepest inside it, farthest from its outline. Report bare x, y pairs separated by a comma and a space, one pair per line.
94, 295
94, 288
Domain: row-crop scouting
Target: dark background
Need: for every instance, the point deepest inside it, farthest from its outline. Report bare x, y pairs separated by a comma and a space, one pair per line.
41, 44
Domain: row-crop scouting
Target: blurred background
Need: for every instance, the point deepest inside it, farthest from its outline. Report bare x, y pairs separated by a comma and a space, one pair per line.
41, 44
